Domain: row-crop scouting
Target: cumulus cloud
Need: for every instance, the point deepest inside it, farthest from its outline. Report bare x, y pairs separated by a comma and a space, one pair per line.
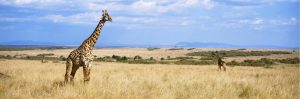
136, 12
258, 23
250, 2
138, 6
289, 21
80, 18
34, 3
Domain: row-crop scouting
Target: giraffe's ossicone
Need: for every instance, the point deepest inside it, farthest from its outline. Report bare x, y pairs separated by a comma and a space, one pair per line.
82, 56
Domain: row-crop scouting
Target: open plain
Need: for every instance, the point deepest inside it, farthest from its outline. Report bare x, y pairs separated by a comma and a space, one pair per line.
26, 79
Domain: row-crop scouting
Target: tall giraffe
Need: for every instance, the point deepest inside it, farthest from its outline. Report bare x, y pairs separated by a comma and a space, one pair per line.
82, 56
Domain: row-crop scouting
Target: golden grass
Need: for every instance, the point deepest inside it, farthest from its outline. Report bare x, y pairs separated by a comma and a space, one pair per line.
33, 79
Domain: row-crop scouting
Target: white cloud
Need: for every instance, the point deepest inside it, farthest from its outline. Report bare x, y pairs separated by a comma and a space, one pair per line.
259, 21
208, 4
55, 18
256, 21
89, 11
148, 7
33, 3
247, 3
290, 21
123, 19
81, 18
15, 19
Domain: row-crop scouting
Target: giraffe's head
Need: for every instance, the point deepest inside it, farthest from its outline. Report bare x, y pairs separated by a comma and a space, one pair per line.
106, 16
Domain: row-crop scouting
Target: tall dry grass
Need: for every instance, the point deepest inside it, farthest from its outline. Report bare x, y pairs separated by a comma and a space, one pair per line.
33, 79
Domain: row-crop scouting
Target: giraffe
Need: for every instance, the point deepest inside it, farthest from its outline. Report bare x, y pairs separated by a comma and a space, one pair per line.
82, 56
221, 63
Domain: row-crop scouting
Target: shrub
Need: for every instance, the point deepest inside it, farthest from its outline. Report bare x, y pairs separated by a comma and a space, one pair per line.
119, 58
193, 62
105, 59
234, 53
151, 49
176, 49
260, 62
206, 58
183, 58
289, 60
233, 63
62, 58
168, 57
151, 58
242, 49
141, 61
190, 48
164, 62
137, 57
45, 54
6, 57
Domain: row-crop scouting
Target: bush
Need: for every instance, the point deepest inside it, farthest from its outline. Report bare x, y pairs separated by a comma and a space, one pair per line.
206, 58
45, 54
169, 57
289, 60
105, 59
233, 63
242, 49
6, 57
190, 48
119, 58
137, 57
62, 58
234, 53
260, 62
141, 61
151, 49
183, 58
176, 49
164, 62
151, 58
193, 62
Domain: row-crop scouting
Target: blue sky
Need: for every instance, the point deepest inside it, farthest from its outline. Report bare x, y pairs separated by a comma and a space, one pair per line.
152, 22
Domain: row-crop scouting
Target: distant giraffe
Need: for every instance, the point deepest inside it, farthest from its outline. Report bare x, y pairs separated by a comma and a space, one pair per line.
221, 64
218, 57
82, 56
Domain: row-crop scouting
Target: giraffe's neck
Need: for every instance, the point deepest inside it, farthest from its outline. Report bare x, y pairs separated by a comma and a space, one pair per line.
89, 43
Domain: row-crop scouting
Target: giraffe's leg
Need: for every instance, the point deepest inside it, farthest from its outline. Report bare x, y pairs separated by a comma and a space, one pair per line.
69, 66
74, 69
220, 67
224, 67
87, 71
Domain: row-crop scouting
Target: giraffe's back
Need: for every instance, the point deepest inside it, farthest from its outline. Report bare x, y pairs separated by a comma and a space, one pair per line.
78, 57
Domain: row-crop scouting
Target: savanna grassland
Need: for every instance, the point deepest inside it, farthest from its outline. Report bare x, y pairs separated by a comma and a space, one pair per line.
24, 78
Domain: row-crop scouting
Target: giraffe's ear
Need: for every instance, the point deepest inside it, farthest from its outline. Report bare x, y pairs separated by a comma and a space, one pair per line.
102, 11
